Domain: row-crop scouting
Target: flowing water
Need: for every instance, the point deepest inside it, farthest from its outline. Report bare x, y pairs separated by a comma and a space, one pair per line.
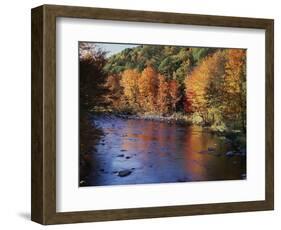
135, 151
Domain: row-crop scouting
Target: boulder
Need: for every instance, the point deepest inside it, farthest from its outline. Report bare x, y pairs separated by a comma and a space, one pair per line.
230, 154
124, 173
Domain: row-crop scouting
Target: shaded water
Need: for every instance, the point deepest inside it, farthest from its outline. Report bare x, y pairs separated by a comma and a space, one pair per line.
134, 151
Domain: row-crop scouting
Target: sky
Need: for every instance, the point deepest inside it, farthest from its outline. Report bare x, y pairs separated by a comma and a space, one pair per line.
113, 48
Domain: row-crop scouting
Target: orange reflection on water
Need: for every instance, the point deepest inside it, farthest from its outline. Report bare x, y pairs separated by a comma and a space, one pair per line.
162, 152
194, 143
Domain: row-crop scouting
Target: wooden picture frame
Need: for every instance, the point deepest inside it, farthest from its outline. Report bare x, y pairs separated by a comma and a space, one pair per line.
43, 208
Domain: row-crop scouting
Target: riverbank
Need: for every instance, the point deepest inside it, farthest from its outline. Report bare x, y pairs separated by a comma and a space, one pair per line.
215, 126
236, 137
89, 137
169, 119
178, 118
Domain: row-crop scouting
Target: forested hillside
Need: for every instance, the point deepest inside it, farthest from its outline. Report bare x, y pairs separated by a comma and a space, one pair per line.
174, 62
206, 86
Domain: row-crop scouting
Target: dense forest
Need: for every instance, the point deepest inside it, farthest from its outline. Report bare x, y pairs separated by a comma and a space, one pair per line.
205, 86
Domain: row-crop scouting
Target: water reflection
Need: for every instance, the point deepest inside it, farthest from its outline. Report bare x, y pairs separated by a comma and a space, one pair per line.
157, 152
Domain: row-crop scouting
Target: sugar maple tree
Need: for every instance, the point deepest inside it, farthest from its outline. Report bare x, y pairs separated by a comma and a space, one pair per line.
174, 91
235, 85
163, 96
129, 82
196, 85
148, 87
217, 87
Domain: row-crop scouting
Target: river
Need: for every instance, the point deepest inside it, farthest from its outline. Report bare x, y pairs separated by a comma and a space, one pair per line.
136, 151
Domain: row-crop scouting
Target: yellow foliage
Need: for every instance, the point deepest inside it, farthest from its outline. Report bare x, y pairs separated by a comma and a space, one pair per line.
148, 86
129, 82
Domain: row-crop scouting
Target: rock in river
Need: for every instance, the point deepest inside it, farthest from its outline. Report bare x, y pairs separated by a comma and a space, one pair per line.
124, 173
230, 154
82, 182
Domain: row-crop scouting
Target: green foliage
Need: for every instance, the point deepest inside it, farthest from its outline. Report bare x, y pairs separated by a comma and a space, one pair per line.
174, 62
200, 53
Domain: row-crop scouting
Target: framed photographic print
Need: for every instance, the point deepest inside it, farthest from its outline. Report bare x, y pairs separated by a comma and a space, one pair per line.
141, 114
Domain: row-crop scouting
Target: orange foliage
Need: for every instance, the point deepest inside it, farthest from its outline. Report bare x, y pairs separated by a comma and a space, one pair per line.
197, 82
215, 90
234, 70
148, 86
129, 82
235, 84
114, 87
174, 93
163, 96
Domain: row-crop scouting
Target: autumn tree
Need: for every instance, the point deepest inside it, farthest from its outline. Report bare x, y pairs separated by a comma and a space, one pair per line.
235, 86
216, 88
129, 82
195, 88
163, 96
115, 91
148, 87
204, 77
174, 92
92, 76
